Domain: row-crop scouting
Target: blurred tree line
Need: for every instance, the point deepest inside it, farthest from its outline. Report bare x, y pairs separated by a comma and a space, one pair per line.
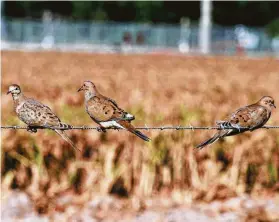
224, 13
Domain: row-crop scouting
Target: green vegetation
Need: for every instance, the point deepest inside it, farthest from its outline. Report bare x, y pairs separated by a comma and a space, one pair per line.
224, 13
273, 28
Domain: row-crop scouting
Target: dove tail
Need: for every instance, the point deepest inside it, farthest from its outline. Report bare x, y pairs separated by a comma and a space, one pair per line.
66, 138
131, 129
209, 141
218, 135
140, 135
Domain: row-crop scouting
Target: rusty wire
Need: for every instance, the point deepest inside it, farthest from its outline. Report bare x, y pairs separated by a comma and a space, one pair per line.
141, 128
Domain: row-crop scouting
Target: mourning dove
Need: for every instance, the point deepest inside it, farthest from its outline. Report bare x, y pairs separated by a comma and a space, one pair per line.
105, 111
36, 114
251, 117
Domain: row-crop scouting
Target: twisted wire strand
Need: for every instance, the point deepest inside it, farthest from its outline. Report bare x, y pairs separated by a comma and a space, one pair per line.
140, 128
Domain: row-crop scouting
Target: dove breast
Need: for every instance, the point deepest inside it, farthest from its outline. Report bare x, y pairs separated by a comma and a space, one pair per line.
26, 113
18, 107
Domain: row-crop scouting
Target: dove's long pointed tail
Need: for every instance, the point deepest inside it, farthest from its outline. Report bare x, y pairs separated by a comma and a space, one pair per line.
66, 138
131, 129
209, 141
218, 135
140, 135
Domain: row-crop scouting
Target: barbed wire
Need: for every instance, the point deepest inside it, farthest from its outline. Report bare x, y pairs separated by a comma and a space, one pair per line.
140, 128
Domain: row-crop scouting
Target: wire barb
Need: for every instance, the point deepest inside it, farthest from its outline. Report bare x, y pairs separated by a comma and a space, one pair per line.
146, 127
190, 127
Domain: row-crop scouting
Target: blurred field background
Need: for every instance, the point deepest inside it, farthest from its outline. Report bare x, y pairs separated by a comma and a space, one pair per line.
169, 63
158, 90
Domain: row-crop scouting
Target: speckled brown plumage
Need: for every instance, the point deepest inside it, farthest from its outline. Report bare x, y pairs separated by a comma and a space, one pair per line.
252, 117
35, 114
105, 111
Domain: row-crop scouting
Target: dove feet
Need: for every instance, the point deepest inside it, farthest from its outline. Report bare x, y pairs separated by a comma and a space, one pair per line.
31, 129
101, 129
252, 128
114, 127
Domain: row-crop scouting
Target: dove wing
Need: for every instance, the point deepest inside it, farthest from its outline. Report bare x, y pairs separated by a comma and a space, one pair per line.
101, 109
252, 116
113, 102
125, 115
34, 113
39, 114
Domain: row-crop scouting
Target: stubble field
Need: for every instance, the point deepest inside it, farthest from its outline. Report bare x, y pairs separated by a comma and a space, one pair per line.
158, 90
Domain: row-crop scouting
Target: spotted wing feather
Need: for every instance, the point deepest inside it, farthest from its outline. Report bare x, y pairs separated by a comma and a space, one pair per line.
125, 115
34, 113
101, 109
253, 116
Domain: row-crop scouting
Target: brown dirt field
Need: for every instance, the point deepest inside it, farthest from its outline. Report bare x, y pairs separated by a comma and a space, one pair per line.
158, 90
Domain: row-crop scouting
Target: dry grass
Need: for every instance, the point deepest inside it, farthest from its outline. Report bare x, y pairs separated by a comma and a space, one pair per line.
158, 90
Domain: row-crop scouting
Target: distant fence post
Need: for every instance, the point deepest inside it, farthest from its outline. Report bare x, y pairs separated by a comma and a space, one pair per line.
205, 26
185, 32
3, 31
48, 38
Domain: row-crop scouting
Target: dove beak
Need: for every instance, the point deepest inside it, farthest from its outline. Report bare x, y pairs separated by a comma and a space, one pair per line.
274, 106
80, 89
9, 92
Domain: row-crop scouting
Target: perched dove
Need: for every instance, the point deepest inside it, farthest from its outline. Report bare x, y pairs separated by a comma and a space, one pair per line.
251, 117
36, 114
105, 111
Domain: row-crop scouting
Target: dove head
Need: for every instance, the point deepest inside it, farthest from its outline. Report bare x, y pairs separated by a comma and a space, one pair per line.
267, 101
89, 89
14, 89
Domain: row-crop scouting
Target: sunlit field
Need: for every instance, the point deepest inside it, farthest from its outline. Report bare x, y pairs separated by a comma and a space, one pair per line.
159, 90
